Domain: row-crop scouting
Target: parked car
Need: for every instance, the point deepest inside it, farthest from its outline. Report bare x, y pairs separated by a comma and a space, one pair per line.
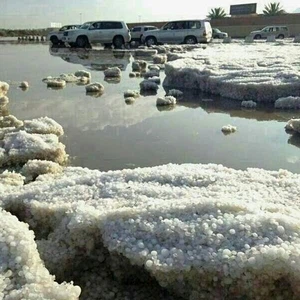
55, 37
178, 32
279, 31
218, 34
98, 32
137, 31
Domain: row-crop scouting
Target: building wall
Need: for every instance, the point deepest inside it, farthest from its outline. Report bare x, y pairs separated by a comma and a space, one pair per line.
241, 26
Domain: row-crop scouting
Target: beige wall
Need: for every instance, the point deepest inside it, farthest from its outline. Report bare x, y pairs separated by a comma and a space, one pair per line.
240, 27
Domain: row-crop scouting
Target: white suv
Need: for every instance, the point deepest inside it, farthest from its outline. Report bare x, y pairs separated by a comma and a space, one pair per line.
98, 32
55, 37
137, 31
178, 32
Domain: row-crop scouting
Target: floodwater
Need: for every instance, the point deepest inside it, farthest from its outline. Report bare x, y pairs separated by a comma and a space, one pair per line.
107, 134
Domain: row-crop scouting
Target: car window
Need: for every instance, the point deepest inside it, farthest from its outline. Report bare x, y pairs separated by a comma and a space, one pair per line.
86, 25
193, 25
95, 26
135, 29
168, 26
284, 28
111, 25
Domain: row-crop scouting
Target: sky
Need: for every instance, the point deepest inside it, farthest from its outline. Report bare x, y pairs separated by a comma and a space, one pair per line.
41, 13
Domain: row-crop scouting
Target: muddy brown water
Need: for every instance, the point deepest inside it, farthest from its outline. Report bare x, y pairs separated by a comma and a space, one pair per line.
107, 134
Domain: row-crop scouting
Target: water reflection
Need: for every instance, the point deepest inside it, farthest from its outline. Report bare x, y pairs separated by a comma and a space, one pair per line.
93, 59
294, 139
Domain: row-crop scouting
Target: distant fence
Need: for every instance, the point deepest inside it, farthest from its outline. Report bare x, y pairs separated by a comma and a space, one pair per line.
241, 26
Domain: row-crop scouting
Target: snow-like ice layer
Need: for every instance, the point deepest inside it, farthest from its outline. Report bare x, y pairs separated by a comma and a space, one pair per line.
288, 103
22, 272
159, 59
168, 100
175, 93
18, 147
113, 72
259, 71
202, 231
293, 125
95, 87
147, 85
228, 128
43, 125
249, 104
4, 87
131, 93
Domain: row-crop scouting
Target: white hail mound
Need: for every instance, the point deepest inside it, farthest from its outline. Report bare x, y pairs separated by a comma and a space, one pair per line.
260, 71
4, 87
293, 125
131, 93
113, 72
228, 129
147, 85
202, 231
94, 88
168, 100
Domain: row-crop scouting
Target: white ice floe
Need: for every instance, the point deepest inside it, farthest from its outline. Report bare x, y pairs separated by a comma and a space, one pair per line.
293, 125
43, 125
113, 72
154, 67
56, 83
69, 77
168, 100
131, 93
95, 87
260, 71
159, 59
201, 231
147, 85
228, 129
22, 272
288, 103
4, 87
139, 65
249, 104
4, 100
24, 85
83, 73
18, 147
175, 93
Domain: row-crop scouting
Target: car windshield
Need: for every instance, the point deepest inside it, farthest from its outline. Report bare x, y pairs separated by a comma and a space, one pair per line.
217, 30
85, 25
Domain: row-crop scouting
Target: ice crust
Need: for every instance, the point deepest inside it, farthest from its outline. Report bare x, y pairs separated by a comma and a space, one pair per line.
259, 72
202, 231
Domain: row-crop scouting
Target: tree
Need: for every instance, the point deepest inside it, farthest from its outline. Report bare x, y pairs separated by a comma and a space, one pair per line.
273, 9
217, 13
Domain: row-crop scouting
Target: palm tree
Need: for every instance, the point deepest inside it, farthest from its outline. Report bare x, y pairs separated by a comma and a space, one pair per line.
217, 13
273, 9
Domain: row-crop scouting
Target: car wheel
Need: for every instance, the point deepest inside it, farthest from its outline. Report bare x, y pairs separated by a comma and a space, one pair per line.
82, 41
281, 36
257, 37
118, 42
190, 40
150, 41
54, 40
